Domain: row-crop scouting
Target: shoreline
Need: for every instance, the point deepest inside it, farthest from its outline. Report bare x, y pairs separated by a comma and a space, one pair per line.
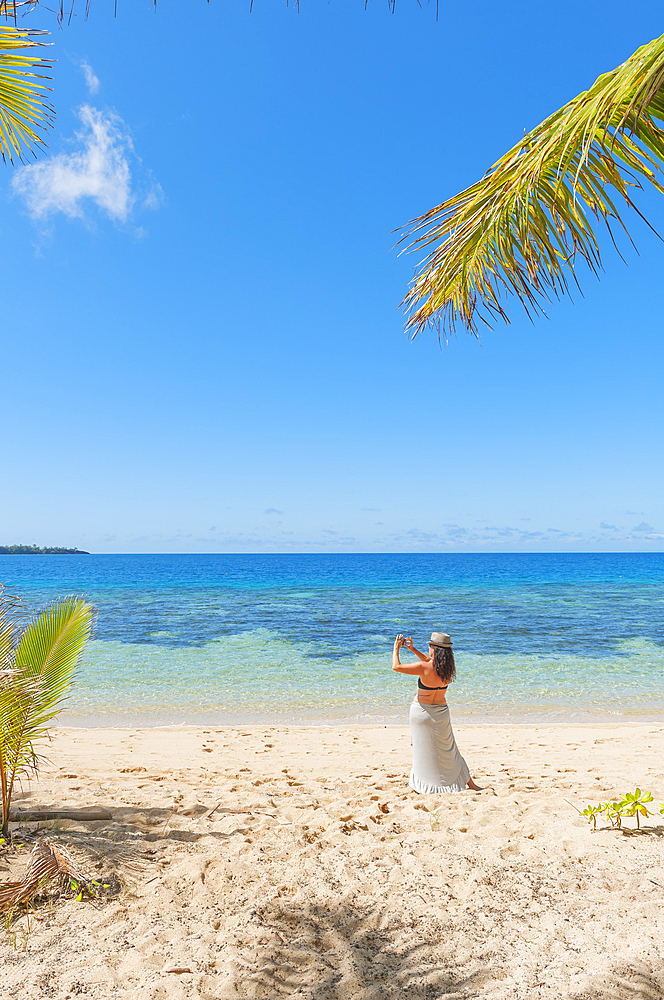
104, 725
354, 725
295, 861
176, 716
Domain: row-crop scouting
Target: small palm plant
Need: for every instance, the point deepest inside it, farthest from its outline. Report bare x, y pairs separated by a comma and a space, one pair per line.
37, 661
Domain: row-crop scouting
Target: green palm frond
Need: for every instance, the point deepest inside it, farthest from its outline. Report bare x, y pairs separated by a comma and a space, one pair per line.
44, 661
25, 112
10, 633
52, 643
519, 229
10, 630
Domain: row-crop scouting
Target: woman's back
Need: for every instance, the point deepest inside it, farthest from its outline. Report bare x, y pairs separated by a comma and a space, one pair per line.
430, 689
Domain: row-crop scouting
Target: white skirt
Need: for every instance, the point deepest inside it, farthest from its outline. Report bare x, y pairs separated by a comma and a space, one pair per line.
437, 764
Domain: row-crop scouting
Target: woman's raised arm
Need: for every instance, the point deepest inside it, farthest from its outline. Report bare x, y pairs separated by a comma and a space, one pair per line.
421, 656
404, 668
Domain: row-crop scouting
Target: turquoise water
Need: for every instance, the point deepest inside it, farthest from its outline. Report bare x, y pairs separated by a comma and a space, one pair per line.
307, 638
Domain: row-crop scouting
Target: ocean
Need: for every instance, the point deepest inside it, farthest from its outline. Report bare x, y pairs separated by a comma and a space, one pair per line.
307, 639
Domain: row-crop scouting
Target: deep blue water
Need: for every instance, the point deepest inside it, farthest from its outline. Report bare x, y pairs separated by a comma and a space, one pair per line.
187, 638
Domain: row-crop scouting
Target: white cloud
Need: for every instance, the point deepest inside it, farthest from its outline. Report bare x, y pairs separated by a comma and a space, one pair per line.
91, 78
154, 197
98, 170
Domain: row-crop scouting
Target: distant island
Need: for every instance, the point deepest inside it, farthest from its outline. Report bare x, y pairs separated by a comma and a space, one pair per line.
34, 550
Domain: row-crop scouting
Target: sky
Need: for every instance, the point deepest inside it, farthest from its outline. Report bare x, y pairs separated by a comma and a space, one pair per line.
202, 341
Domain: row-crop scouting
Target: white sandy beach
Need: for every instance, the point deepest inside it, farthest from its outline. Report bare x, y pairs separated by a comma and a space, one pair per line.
321, 875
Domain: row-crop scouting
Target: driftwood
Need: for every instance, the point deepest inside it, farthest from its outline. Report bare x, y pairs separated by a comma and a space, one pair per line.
37, 815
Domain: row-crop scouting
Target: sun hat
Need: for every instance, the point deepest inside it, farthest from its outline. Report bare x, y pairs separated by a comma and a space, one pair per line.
440, 639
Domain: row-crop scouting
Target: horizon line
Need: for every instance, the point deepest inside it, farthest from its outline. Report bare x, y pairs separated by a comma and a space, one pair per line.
405, 552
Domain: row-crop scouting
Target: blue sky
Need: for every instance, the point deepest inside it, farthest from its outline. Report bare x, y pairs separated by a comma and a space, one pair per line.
202, 344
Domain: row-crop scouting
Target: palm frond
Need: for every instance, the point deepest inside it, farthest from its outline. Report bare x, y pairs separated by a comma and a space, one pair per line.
52, 643
10, 629
519, 229
44, 661
25, 112
46, 862
10, 9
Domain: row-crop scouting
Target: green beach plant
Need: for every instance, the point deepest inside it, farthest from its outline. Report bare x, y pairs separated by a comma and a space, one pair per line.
614, 813
634, 804
37, 662
591, 812
518, 230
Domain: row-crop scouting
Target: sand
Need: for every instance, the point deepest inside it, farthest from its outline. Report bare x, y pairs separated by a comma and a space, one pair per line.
321, 875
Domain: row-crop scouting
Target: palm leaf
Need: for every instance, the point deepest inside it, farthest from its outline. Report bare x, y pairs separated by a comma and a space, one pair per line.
10, 629
10, 9
519, 229
46, 862
52, 643
44, 662
9, 635
25, 113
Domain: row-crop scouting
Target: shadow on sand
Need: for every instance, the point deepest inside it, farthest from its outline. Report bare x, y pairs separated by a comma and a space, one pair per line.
635, 982
128, 823
344, 950
644, 831
116, 850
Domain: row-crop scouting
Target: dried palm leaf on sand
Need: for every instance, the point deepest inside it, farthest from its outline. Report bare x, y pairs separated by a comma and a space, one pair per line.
54, 865
46, 863
123, 855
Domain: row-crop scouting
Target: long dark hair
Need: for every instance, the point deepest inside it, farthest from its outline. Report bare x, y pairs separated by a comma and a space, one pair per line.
443, 663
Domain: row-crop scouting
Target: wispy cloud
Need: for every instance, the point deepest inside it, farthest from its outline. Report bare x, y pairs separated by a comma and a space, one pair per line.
98, 171
644, 526
272, 510
608, 527
457, 537
91, 78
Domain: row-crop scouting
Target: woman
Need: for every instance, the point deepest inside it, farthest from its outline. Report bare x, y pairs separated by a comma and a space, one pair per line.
437, 764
